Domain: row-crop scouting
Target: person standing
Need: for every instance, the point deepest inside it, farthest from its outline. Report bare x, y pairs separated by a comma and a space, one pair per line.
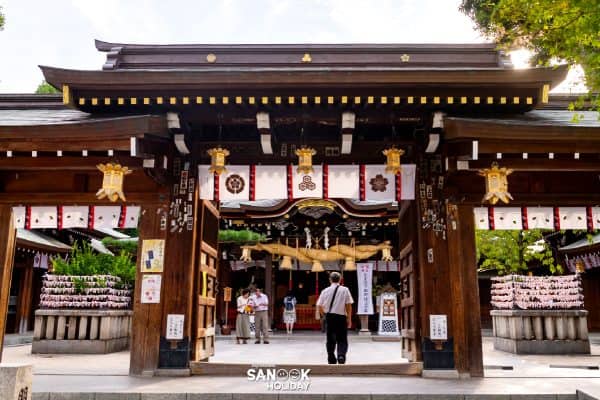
242, 321
260, 303
335, 303
289, 312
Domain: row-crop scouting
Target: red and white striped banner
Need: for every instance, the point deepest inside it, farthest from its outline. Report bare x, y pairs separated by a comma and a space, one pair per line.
258, 182
556, 218
64, 217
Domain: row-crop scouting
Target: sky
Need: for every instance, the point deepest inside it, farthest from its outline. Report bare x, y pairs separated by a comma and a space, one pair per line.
61, 33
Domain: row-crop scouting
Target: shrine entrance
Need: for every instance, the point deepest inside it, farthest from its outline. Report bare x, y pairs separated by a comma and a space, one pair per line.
376, 134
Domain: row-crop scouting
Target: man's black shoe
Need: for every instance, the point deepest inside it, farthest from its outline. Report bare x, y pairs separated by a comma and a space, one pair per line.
331, 360
341, 360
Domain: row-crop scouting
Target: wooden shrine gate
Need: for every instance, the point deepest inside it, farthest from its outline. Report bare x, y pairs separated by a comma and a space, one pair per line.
161, 108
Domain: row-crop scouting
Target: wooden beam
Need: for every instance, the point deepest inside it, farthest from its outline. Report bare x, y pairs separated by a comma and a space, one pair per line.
7, 255
36, 198
65, 144
524, 131
574, 145
65, 163
96, 128
531, 164
463, 148
534, 199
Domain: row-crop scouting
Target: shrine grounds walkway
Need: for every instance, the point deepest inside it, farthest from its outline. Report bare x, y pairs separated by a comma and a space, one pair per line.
95, 377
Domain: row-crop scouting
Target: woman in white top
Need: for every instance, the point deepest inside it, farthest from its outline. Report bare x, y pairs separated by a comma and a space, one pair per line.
242, 322
289, 311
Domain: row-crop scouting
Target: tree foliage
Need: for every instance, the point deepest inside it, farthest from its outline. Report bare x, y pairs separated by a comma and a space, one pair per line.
83, 261
240, 237
116, 246
1, 19
46, 88
514, 251
566, 30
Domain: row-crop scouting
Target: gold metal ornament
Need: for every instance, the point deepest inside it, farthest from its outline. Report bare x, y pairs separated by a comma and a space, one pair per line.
112, 183
405, 58
386, 254
211, 58
496, 184
317, 266
305, 155
350, 264
217, 160
306, 58
246, 254
579, 267
286, 263
392, 165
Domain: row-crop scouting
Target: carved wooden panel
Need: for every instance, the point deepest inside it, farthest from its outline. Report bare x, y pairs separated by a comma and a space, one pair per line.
206, 284
408, 305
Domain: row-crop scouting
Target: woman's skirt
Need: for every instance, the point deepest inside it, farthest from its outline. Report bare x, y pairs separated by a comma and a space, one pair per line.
289, 317
242, 326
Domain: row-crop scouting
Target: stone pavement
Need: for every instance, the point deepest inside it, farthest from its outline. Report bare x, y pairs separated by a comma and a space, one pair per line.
342, 387
108, 373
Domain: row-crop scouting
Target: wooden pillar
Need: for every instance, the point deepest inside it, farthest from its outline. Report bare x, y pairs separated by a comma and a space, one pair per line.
466, 322
434, 276
24, 302
269, 285
180, 275
7, 255
147, 317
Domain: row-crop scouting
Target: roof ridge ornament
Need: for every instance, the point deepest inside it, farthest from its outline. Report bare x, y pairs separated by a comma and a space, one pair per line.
306, 58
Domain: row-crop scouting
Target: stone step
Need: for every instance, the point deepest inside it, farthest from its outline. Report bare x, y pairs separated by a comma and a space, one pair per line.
300, 396
240, 369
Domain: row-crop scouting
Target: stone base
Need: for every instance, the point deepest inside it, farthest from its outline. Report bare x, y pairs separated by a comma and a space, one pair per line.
382, 338
15, 381
171, 372
79, 346
365, 332
542, 346
440, 374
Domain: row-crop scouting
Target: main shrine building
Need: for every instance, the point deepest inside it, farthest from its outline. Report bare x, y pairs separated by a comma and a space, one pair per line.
336, 154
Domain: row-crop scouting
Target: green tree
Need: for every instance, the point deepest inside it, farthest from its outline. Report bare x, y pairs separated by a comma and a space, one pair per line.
566, 30
514, 251
45, 88
1, 19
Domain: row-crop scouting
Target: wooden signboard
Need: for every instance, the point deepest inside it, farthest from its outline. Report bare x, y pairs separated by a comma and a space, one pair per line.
227, 294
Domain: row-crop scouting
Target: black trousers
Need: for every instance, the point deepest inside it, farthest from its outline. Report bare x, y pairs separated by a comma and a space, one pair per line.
337, 335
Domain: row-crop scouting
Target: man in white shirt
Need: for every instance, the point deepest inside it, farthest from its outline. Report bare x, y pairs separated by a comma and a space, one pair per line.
335, 303
260, 303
